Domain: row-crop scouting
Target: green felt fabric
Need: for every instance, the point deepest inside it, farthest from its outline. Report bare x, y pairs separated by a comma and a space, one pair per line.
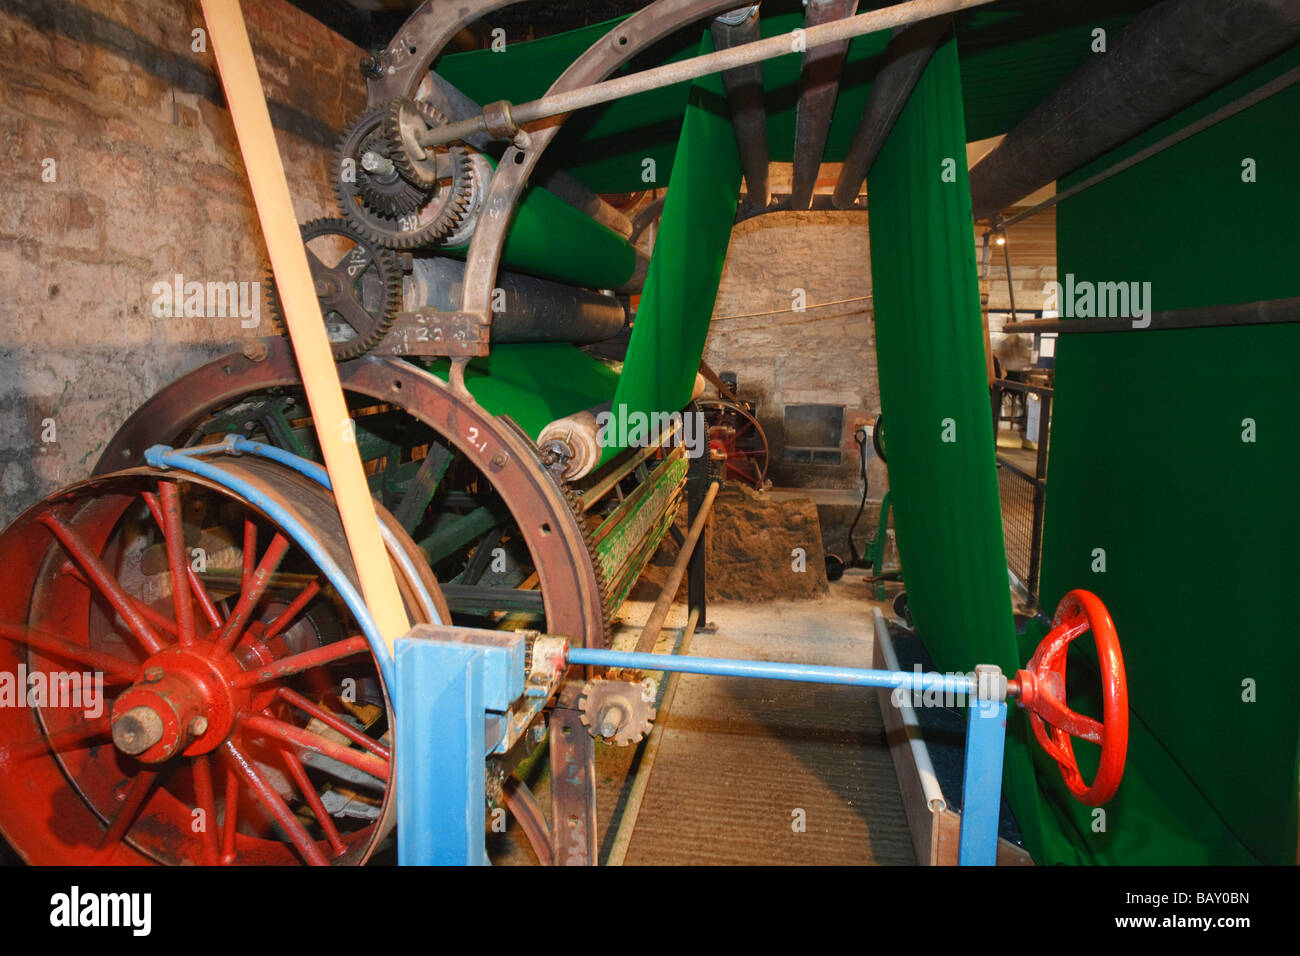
676, 306
536, 384
933, 385
550, 238
1199, 528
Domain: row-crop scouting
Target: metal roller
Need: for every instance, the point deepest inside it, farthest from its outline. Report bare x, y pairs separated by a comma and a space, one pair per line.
532, 310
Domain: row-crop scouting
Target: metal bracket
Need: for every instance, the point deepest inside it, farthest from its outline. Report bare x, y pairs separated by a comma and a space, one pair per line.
428, 332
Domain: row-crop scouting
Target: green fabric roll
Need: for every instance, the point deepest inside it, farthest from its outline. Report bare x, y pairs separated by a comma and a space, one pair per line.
1199, 527
934, 386
550, 238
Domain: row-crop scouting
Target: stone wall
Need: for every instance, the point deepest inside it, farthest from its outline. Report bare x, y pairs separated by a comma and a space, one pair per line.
123, 172
793, 321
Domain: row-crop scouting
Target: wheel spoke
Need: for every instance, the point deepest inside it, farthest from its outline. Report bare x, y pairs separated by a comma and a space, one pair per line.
249, 556
286, 616
458, 532
197, 588
252, 593
232, 817
297, 663
104, 581
334, 723
288, 733
57, 742
136, 795
478, 562
265, 795
423, 487
174, 533
50, 644
201, 770
308, 790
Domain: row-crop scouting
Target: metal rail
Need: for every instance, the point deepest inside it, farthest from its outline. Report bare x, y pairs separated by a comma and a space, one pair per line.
504, 119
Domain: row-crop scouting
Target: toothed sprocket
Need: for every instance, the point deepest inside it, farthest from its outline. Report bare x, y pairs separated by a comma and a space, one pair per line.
364, 171
618, 712
360, 293
447, 189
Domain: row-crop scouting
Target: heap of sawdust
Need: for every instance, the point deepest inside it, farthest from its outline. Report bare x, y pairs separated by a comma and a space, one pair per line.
759, 549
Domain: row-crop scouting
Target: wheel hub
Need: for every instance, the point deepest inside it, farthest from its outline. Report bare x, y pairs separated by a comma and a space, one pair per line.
183, 702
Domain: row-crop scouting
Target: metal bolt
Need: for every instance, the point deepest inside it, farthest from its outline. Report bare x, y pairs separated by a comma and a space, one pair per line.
255, 350
500, 460
199, 726
153, 675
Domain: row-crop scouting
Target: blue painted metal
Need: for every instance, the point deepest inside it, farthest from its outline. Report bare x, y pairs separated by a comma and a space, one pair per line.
438, 753
163, 457
771, 670
986, 730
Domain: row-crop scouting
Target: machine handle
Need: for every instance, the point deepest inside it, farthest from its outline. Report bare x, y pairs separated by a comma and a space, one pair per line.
1042, 691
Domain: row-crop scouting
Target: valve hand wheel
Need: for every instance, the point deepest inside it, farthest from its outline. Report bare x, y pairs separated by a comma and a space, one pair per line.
1042, 691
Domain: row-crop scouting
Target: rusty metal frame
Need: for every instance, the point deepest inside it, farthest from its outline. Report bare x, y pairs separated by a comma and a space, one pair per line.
571, 589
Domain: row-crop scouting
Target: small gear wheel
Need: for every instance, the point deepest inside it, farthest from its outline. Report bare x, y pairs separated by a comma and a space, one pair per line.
618, 712
405, 120
358, 283
446, 191
365, 172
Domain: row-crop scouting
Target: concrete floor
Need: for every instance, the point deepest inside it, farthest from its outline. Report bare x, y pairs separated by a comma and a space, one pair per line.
759, 772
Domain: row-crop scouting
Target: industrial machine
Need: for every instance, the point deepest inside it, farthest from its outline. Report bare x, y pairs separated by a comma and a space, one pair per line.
250, 714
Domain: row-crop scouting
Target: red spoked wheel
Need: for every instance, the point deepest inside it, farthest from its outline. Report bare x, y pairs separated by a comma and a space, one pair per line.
734, 431
1042, 691
242, 719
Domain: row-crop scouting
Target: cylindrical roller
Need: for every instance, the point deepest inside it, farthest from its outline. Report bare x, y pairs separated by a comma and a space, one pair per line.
571, 444
550, 238
526, 309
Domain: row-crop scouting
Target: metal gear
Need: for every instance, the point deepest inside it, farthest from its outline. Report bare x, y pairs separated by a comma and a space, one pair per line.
618, 712
443, 203
360, 294
404, 120
364, 165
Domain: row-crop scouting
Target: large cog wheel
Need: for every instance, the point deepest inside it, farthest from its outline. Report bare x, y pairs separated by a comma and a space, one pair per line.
365, 172
358, 283
618, 712
443, 178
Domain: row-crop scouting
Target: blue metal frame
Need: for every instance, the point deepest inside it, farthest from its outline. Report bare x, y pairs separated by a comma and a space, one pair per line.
449, 686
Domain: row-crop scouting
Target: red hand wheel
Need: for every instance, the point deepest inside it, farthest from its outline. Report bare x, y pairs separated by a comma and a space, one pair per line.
1042, 691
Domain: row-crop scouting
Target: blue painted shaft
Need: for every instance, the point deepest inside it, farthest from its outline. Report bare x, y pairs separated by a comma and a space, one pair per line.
986, 731
772, 670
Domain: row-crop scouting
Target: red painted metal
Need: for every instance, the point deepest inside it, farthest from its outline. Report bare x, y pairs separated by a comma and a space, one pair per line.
1041, 687
71, 792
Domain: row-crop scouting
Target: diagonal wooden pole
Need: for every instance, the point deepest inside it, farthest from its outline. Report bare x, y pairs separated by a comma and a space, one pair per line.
239, 78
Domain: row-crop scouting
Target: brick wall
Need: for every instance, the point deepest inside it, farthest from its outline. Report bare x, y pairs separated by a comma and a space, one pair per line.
825, 354
110, 100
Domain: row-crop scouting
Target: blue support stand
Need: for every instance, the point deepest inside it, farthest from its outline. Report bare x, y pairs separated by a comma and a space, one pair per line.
986, 730
439, 753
